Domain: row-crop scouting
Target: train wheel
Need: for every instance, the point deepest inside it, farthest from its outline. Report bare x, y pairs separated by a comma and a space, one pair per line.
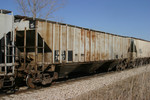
29, 82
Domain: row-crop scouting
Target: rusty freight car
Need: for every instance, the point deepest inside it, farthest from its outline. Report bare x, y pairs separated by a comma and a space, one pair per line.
47, 50
62, 49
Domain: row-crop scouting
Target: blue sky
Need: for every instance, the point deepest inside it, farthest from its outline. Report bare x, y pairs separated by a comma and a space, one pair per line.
123, 17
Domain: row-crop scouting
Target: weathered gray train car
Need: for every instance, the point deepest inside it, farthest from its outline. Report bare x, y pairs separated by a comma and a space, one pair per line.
142, 51
47, 50
7, 59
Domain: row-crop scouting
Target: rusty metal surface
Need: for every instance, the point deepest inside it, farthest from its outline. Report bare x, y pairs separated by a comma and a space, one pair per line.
86, 45
143, 48
75, 44
57, 47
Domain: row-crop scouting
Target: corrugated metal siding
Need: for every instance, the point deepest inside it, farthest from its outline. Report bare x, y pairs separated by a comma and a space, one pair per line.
86, 45
125, 48
149, 49
102, 46
82, 55
114, 47
87, 42
98, 46
143, 48
110, 47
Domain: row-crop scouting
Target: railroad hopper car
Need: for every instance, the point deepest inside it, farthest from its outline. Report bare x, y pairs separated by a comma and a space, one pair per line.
63, 49
7, 58
47, 50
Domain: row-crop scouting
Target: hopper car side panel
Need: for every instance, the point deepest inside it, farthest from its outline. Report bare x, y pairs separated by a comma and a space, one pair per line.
82, 45
142, 48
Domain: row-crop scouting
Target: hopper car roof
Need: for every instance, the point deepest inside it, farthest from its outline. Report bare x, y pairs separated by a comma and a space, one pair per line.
5, 11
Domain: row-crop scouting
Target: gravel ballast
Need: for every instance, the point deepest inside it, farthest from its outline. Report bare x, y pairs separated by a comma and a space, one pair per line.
72, 90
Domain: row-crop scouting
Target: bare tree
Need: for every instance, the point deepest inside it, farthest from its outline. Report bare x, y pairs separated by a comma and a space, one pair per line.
40, 8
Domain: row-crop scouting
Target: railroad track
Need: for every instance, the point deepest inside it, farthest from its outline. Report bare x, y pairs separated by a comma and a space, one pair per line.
71, 87
59, 82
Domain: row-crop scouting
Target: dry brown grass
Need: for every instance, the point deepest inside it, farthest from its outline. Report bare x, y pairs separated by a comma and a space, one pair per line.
134, 88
